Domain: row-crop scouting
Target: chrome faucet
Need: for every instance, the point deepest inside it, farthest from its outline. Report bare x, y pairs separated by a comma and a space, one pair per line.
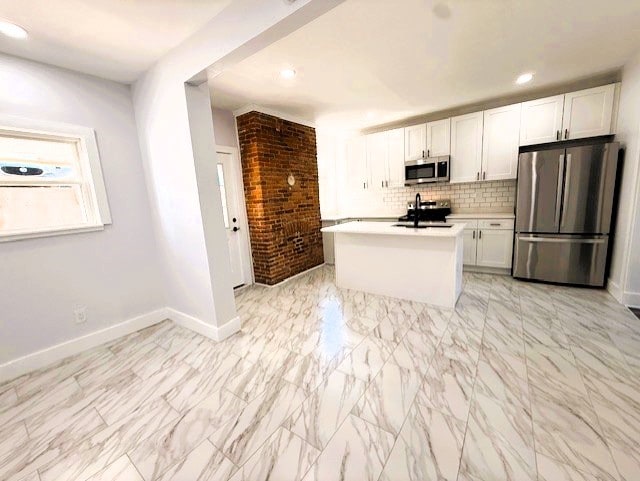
416, 210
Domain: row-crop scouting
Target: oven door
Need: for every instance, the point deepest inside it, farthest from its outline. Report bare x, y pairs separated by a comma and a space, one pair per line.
420, 171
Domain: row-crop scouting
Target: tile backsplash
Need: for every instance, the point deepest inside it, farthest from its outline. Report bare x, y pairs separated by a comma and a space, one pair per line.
489, 196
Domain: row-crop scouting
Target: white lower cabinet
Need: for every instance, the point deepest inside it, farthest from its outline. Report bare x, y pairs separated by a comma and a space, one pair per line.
469, 247
488, 243
494, 248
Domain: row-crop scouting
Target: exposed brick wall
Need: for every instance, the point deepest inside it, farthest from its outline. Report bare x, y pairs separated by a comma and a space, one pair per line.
284, 221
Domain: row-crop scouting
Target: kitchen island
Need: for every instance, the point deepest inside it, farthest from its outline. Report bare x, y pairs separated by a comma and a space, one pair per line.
423, 264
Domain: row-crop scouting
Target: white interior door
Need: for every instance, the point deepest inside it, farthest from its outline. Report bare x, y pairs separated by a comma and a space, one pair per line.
228, 182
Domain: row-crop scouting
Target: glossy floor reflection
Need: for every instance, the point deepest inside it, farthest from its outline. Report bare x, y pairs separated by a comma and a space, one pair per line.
520, 382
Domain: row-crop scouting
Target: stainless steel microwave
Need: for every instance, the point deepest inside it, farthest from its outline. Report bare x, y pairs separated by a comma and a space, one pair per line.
431, 169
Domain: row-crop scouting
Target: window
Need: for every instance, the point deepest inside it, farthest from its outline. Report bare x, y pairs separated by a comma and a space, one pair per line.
50, 180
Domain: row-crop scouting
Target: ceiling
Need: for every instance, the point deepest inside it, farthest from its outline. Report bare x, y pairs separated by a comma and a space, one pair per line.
369, 62
114, 39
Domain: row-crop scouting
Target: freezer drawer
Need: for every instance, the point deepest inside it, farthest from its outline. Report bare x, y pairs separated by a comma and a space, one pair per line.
563, 259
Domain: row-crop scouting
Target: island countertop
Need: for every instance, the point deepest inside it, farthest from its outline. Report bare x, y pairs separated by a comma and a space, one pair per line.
388, 228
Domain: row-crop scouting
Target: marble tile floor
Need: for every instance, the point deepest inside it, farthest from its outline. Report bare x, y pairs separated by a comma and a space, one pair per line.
520, 382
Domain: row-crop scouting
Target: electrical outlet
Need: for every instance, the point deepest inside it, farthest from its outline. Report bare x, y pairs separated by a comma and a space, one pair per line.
80, 314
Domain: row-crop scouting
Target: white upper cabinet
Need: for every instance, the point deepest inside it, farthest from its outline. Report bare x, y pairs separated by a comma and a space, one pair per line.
377, 160
466, 147
541, 120
587, 113
395, 157
415, 142
438, 138
500, 143
356, 169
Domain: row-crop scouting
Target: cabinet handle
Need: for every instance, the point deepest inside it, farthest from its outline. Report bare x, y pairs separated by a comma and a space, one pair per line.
423, 154
427, 152
479, 234
474, 234
477, 175
557, 135
382, 183
484, 176
386, 183
566, 133
495, 225
364, 185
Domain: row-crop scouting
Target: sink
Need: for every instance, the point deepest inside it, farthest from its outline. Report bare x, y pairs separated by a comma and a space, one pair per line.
424, 226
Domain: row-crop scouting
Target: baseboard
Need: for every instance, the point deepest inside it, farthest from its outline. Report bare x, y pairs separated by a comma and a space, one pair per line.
487, 270
291, 278
194, 324
631, 299
39, 359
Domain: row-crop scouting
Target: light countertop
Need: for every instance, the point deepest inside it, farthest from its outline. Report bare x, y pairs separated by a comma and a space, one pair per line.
388, 228
375, 218
482, 215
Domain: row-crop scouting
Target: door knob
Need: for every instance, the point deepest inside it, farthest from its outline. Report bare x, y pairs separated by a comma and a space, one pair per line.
236, 229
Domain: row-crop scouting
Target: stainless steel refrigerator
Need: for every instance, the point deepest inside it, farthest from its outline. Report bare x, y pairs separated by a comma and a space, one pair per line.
563, 213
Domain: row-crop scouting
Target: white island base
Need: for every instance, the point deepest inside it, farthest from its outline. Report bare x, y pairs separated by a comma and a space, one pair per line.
423, 265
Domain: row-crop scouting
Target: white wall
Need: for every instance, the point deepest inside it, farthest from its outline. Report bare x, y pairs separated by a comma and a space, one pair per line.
113, 272
204, 149
185, 240
625, 267
224, 125
329, 147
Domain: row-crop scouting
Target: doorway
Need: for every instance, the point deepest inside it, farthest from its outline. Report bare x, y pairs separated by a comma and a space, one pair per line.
234, 214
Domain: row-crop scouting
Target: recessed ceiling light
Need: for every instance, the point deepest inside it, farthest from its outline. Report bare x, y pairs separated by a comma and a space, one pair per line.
287, 73
12, 30
524, 78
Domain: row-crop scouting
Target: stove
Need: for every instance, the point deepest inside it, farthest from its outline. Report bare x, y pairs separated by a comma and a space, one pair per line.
432, 211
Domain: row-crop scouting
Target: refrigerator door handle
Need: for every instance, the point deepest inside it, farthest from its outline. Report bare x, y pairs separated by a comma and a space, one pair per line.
562, 240
565, 187
556, 221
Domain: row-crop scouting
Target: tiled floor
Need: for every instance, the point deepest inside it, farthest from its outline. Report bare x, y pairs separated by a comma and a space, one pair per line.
521, 382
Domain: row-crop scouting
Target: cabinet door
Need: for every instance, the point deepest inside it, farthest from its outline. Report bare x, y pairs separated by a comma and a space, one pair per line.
466, 147
469, 243
356, 169
395, 158
415, 142
587, 113
494, 248
377, 160
541, 120
500, 142
439, 138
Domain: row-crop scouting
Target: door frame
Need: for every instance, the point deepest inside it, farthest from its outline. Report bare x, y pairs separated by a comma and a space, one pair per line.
237, 184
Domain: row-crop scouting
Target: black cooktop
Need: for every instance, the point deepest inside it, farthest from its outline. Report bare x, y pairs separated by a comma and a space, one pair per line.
429, 211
